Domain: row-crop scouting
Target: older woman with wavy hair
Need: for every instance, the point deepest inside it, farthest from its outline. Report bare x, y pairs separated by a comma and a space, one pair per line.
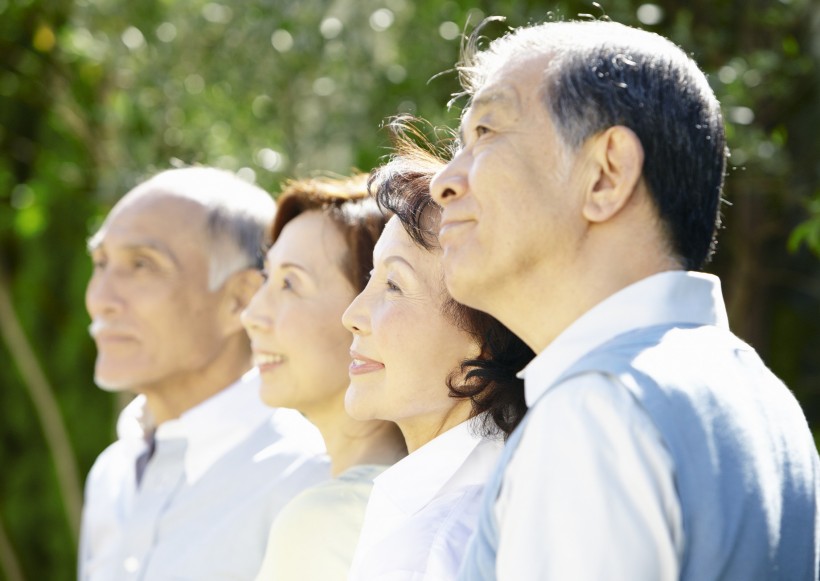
444, 373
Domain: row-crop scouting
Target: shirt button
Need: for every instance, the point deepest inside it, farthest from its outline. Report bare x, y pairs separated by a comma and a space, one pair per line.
131, 564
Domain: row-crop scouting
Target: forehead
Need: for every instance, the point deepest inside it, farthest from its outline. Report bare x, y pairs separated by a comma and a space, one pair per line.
396, 242
393, 240
163, 219
512, 88
310, 237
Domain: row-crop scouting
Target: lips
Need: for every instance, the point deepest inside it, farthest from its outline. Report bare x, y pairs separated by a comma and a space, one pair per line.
361, 365
267, 361
450, 228
102, 332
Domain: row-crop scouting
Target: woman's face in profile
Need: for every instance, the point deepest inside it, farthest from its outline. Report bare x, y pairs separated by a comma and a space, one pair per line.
298, 344
404, 346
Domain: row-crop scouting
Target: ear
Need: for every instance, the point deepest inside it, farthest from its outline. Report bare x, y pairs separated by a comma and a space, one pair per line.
237, 293
617, 157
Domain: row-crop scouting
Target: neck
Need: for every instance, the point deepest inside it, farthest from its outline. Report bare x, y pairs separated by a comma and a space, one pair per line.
419, 431
351, 442
172, 396
541, 305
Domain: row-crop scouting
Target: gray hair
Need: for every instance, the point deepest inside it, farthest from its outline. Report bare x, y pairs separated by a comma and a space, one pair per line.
599, 74
238, 216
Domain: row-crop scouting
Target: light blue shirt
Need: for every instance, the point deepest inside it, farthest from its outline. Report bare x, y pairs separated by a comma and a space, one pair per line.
658, 447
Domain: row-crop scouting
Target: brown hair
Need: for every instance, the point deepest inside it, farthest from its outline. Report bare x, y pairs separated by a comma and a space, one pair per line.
346, 202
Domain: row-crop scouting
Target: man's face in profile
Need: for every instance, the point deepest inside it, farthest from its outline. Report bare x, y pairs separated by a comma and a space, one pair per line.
153, 318
510, 203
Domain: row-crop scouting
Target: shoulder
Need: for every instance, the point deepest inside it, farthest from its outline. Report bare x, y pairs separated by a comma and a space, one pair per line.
276, 456
285, 434
584, 417
582, 398
111, 467
332, 511
331, 501
289, 430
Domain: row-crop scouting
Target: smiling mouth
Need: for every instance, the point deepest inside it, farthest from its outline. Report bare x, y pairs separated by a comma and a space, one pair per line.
359, 366
267, 360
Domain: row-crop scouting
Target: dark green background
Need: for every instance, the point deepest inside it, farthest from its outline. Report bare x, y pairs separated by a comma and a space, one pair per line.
97, 94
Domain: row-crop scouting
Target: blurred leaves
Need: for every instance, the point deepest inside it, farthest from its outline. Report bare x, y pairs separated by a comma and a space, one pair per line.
97, 94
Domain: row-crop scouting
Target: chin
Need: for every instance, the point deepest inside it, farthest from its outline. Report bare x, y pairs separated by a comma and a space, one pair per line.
112, 383
462, 289
355, 408
269, 397
119, 377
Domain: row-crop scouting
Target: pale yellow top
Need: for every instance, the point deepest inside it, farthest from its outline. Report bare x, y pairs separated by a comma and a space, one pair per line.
315, 535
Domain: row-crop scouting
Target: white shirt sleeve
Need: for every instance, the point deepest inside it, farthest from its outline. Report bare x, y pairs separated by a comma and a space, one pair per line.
590, 492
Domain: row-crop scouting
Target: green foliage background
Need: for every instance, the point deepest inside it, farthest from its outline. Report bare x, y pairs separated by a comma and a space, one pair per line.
97, 94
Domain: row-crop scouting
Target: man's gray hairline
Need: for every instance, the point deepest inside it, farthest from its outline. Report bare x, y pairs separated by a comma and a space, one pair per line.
228, 233
219, 212
570, 140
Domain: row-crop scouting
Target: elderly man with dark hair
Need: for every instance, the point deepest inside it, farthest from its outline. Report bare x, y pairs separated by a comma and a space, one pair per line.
201, 466
657, 445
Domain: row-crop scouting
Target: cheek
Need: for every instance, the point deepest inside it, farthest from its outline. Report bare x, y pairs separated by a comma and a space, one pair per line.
313, 332
446, 347
394, 330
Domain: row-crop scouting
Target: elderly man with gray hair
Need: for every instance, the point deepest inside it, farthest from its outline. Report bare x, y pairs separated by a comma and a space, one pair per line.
583, 202
201, 466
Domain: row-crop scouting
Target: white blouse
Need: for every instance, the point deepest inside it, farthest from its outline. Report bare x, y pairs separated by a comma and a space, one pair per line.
423, 509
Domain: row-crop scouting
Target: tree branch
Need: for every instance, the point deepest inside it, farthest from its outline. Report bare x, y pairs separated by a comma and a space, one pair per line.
45, 404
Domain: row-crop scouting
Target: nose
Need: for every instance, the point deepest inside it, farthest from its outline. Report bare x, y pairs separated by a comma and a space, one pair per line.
356, 318
254, 316
102, 295
450, 182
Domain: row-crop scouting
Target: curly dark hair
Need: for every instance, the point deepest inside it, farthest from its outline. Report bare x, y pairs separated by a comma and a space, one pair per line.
402, 187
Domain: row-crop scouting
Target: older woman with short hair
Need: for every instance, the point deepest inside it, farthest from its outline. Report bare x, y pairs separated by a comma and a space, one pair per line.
444, 373
323, 238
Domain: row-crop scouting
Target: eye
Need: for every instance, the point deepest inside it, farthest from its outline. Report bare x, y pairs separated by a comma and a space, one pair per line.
392, 286
265, 274
142, 262
285, 284
481, 130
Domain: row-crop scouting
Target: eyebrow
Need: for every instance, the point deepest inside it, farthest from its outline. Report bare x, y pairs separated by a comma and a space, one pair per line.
491, 96
96, 243
292, 266
497, 95
400, 259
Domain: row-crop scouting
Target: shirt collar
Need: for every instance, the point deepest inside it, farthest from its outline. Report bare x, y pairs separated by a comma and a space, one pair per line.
415, 480
210, 428
664, 298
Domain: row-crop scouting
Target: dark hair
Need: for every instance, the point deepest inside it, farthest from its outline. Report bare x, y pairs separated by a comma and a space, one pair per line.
346, 202
402, 187
601, 74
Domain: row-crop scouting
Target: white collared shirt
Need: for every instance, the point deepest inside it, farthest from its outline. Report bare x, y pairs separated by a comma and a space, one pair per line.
211, 428
219, 475
423, 509
570, 507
